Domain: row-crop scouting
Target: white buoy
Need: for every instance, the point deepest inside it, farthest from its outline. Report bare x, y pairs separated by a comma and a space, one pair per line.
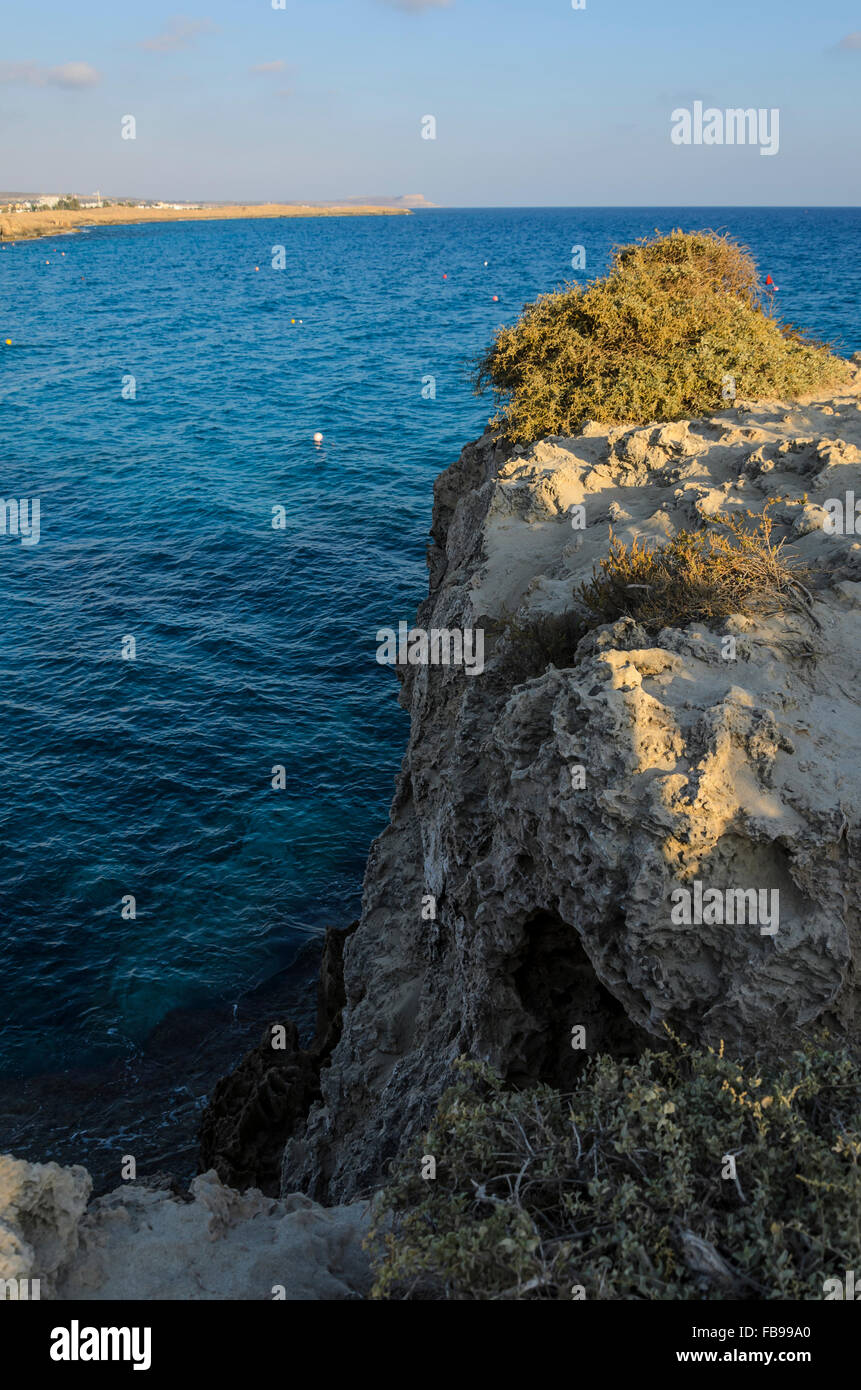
318, 438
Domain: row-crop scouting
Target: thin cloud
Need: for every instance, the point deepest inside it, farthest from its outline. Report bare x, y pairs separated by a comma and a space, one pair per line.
72, 75
21, 72
416, 6
851, 41
179, 33
277, 65
66, 75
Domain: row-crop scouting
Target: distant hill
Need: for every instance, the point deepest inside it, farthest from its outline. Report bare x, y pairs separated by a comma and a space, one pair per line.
404, 200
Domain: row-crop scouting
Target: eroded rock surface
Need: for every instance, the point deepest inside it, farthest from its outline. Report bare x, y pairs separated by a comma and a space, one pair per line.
553, 902
41, 1205
147, 1242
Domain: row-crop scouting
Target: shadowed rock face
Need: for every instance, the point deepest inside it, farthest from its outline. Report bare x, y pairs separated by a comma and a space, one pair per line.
553, 900
255, 1109
555, 980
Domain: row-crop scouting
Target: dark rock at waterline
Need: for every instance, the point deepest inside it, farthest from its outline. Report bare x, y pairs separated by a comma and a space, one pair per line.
255, 1109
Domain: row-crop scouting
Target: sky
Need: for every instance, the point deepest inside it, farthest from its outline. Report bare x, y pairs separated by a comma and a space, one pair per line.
535, 103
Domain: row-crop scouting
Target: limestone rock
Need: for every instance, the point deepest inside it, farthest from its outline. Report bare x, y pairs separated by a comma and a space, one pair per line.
553, 899
145, 1242
141, 1244
40, 1207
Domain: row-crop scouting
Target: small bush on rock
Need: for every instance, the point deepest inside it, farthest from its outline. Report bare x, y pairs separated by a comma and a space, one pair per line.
531, 644
732, 566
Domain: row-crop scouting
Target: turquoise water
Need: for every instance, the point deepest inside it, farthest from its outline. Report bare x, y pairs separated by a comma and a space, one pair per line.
255, 646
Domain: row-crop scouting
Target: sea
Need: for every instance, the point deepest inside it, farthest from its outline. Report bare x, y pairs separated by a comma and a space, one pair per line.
197, 743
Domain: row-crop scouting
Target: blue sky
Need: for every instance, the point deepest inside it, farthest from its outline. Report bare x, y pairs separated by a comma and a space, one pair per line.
535, 103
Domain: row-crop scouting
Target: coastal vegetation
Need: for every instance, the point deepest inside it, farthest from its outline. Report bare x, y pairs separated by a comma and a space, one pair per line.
658, 338
731, 565
683, 1174
530, 645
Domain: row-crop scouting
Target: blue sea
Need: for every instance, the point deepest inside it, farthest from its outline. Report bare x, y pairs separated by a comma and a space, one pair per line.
254, 644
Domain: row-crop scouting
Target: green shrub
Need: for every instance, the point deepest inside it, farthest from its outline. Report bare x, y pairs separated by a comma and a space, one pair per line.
652, 340
618, 1188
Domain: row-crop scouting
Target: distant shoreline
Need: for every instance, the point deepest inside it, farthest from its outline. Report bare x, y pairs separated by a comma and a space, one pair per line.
27, 226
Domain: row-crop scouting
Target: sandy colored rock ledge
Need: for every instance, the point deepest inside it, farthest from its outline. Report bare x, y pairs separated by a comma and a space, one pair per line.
145, 1242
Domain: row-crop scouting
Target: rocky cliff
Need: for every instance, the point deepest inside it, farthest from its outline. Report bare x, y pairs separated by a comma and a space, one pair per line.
545, 814
544, 817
